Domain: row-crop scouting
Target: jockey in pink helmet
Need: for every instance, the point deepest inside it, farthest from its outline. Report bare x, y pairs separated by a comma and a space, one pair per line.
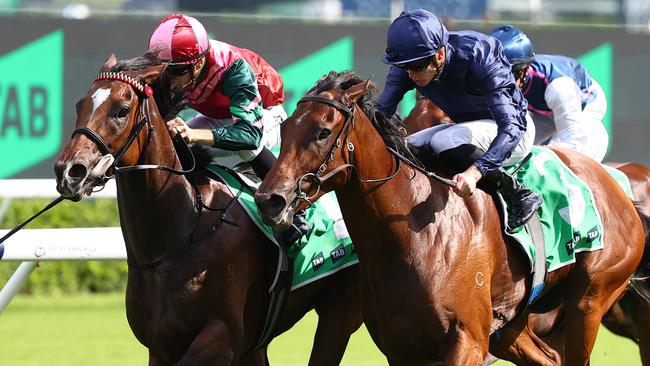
238, 94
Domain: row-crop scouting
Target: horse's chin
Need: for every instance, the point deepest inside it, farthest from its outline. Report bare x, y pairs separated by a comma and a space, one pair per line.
74, 194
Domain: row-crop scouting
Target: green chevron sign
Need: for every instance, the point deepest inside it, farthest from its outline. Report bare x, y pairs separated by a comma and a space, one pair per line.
300, 76
599, 63
31, 98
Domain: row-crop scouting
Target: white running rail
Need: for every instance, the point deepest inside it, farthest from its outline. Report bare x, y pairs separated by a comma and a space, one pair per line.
34, 245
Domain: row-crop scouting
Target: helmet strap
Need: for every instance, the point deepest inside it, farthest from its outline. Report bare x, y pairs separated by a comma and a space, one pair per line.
521, 73
439, 68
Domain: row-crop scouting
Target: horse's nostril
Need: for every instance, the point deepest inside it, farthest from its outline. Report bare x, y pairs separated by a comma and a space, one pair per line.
77, 171
275, 204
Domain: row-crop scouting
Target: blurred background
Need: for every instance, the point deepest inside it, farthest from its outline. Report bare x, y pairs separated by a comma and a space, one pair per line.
50, 51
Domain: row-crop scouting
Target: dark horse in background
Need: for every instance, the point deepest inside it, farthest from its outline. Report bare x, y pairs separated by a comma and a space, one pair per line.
199, 268
437, 275
630, 315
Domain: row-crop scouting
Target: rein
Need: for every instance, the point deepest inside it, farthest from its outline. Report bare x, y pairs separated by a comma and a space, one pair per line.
317, 176
146, 92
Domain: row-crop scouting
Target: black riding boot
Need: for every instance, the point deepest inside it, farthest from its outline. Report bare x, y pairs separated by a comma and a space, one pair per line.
522, 202
300, 226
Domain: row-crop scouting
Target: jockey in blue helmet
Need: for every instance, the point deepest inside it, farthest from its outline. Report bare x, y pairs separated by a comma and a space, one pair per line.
466, 74
566, 104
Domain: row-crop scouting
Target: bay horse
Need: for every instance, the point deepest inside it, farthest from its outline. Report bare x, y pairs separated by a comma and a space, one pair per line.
199, 268
628, 317
437, 275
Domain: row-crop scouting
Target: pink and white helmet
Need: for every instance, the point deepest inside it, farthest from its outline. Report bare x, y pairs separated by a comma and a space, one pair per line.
180, 39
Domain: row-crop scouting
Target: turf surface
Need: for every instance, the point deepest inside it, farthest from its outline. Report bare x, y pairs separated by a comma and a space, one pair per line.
92, 330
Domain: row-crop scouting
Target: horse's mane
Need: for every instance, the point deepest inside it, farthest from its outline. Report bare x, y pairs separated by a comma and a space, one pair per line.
391, 129
169, 101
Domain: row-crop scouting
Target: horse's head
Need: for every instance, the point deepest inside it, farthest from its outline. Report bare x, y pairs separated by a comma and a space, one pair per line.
112, 128
316, 142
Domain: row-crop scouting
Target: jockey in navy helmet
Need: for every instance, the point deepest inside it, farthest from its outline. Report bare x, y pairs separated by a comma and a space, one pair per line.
467, 75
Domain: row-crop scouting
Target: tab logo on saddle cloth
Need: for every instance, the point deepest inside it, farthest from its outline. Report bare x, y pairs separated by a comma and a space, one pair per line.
317, 261
337, 253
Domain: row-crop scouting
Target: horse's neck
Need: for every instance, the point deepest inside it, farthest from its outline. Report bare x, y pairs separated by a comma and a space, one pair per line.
368, 207
155, 207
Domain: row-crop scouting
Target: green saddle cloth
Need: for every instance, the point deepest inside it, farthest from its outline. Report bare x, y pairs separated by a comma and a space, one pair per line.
569, 219
325, 250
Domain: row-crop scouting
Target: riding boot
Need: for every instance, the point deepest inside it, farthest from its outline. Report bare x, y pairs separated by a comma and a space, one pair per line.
261, 166
522, 202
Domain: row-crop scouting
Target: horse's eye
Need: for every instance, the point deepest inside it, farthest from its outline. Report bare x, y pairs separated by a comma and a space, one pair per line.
124, 111
324, 133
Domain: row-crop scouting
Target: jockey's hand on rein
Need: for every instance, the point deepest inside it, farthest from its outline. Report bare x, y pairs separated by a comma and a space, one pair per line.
466, 181
178, 126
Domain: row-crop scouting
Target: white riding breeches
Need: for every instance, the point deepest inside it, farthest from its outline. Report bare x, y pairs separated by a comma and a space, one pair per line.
272, 118
479, 133
572, 127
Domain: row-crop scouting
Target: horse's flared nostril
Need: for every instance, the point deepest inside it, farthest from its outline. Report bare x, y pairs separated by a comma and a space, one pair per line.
275, 205
77, 172
271, 204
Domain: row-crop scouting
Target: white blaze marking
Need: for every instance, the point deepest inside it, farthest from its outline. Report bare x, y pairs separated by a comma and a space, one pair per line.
99, 97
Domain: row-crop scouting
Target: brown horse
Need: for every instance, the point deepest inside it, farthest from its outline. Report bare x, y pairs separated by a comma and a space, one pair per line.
199, 269
630, 316
437, 275
424, 114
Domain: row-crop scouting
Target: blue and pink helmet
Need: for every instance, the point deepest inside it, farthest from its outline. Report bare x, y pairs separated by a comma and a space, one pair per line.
180, 40
516, 45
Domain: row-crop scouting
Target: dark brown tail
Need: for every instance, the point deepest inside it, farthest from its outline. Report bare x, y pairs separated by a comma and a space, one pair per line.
640, 281
645, 219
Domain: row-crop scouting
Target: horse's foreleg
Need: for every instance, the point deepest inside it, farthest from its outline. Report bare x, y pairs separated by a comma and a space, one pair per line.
465, 350
256, 358
156, 360
521, 346
212, 346
337, 320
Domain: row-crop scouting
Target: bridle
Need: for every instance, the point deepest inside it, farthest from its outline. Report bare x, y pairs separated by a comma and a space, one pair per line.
317, 176
144, 92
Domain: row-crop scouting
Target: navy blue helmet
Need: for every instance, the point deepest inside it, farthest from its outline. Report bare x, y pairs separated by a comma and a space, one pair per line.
414, 35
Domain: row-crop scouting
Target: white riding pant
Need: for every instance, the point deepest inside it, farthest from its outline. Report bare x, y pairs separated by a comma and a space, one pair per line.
585, 134
479, 133
272, 118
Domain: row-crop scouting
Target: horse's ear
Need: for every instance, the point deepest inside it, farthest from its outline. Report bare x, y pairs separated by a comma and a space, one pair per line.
149, 77
353, 93
109, 63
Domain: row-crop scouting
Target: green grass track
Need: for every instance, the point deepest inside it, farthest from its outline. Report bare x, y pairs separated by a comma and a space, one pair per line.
92, 330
